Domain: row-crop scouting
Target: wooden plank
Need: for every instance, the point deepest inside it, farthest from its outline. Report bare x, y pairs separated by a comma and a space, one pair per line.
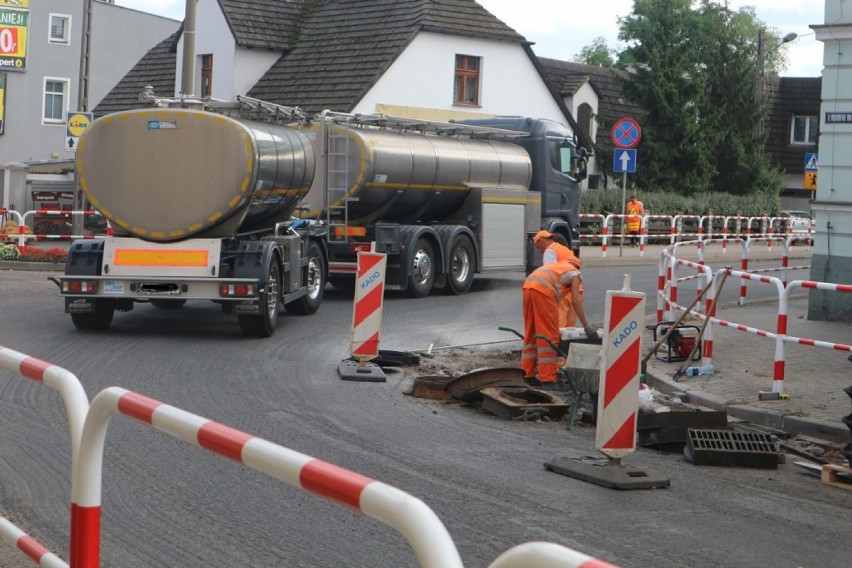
837, 476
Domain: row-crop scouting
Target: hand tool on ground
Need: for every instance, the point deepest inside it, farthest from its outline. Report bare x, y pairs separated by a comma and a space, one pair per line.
709, 313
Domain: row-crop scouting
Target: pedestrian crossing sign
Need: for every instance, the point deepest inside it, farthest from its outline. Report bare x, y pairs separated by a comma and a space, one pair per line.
810, 180
811, 162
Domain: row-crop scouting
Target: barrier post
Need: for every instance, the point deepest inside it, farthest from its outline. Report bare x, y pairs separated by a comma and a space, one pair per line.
406, 514
366, 319
618, 398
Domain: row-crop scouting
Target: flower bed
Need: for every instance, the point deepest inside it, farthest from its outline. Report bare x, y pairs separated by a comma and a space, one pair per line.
33, 254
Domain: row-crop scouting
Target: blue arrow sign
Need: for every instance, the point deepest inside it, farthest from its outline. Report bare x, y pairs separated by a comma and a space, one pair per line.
624, 161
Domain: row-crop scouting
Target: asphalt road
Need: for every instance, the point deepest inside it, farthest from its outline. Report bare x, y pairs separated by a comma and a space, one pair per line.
166, 503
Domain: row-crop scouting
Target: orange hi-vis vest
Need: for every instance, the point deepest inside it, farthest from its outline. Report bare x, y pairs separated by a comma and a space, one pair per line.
546, 278
634, 208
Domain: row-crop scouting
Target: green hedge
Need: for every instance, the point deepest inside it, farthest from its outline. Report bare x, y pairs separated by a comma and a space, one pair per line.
607, 201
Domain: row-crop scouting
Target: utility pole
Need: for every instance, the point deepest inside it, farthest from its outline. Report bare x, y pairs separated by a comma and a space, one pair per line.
85, 53
83, 100
187, 84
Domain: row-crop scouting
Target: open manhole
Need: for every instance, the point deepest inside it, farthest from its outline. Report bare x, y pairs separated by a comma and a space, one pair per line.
523, 403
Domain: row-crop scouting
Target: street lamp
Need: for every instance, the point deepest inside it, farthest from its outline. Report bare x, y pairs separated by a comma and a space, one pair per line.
760, 78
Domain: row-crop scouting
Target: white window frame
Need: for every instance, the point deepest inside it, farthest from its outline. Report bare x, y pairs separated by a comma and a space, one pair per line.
812, 123
66, 39
66, 89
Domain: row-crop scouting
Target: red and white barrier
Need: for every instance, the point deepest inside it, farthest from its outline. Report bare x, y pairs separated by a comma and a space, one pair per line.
542, 554
29, 546
618, 400
408, 515
780, 336
76, 407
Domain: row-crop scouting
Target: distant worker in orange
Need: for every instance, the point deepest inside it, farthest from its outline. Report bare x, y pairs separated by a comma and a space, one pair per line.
635, 212
542, 292
554, 251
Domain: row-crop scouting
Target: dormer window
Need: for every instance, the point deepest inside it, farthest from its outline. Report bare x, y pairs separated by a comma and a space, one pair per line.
466, 86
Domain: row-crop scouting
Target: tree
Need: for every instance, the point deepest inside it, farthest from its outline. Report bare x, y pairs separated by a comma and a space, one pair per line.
597, 53
694, 69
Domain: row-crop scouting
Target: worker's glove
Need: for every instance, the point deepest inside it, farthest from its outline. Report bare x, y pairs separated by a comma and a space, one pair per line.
591, 331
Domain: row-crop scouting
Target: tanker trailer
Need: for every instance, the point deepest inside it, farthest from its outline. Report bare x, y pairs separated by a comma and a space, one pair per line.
201, 206
443, 200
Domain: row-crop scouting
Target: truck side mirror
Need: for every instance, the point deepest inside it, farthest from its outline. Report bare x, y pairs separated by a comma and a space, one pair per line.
581, 164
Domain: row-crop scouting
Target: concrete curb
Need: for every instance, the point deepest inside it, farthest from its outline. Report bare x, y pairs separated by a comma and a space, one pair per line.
32, 266
793, 425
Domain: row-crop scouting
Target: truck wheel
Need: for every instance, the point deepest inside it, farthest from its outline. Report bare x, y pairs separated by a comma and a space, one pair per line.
263, 325
315, 281
168, 304
96, 321
422, 275
460, 277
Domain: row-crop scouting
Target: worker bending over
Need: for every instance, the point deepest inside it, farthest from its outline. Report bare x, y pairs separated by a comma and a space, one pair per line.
551, 252
542, 292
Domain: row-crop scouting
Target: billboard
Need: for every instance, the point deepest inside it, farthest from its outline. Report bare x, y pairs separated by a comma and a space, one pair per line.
13, 39
2, 103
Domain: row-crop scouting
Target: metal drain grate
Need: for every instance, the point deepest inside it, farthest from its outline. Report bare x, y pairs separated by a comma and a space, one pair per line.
727, 447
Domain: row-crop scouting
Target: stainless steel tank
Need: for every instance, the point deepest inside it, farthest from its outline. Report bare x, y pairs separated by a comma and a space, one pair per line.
407, 176
169, 174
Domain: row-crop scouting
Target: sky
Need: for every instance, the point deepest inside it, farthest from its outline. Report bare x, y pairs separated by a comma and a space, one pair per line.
559, 29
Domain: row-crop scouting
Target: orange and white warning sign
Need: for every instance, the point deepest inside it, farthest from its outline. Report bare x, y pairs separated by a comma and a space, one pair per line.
618, 394
367, 310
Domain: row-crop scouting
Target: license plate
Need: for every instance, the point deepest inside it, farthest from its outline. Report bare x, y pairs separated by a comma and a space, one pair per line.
113, 287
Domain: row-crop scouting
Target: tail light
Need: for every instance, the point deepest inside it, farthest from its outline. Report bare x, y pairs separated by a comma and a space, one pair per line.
79, 286
238, 290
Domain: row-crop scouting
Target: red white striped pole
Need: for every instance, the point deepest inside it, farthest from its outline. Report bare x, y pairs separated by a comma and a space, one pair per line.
29, 546
605, 234
618, 401
408, 515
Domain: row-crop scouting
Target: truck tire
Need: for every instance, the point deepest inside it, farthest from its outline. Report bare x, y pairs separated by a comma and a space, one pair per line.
315, 281
460, 277
422, 275
168, 304
99, 320
263, 325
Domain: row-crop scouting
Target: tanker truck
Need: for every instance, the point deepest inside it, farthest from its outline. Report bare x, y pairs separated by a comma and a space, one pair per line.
443, 200
201, 204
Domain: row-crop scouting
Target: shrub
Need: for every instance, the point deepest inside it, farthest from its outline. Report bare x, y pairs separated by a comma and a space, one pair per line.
9, 252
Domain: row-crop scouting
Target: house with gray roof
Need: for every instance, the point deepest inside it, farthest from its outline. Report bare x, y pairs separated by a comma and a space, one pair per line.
428, 59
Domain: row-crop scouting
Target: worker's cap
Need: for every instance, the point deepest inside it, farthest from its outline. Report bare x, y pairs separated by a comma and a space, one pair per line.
542, 235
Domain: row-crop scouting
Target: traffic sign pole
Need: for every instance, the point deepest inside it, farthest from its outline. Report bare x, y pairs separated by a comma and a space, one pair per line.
625, 134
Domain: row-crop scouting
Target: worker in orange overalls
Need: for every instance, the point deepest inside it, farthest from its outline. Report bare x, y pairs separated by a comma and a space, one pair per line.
635, 212
542, 292
553, 251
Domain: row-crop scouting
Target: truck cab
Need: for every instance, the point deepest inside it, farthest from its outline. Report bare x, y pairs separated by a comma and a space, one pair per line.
558, 167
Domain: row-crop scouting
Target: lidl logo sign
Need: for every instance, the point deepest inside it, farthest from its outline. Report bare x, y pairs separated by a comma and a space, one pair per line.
75, 124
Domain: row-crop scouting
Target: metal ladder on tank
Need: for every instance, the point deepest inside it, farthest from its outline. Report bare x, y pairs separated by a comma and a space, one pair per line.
337, 180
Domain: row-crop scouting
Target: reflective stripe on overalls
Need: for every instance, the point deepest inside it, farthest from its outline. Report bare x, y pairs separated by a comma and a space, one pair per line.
542, 293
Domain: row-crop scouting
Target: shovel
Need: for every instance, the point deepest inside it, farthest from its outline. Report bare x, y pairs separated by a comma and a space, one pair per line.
710, 311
